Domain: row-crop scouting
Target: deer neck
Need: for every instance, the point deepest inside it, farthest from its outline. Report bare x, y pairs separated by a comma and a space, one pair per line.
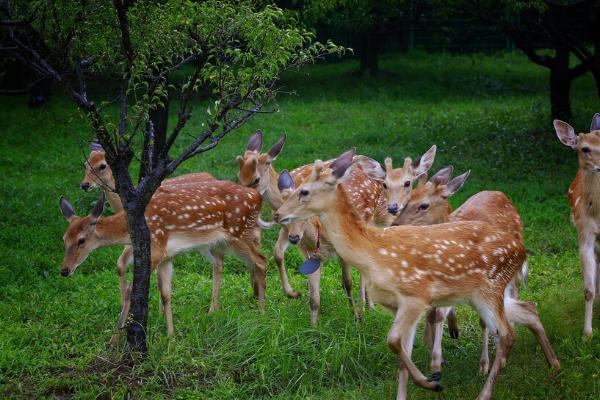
591, 191
112, 230
347, 232
113, 199
272, 195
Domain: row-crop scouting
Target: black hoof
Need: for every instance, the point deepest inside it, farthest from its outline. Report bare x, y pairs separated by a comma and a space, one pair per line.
435, 377
438, 387
453, 333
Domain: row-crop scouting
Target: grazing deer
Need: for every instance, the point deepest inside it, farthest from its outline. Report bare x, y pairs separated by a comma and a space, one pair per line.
373, 201
405, 276
99, 175
429, 205
212, 217
584, 200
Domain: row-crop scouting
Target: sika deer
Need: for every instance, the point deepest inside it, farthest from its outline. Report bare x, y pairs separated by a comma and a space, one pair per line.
194, 216
429, 205
404, 277
584, 200
370, 199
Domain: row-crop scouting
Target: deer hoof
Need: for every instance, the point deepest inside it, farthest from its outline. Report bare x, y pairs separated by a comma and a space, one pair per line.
453, 333
435, 377
293, 295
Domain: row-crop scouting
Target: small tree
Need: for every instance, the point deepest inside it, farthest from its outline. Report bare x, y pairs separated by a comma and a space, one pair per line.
227, 50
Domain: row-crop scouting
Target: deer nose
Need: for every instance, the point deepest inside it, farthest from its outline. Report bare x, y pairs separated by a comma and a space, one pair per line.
64, 272
256, 181
294, 239
276, 217
393, 209
85, 186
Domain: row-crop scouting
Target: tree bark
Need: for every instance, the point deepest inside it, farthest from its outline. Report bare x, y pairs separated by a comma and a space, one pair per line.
560, 86
369, 54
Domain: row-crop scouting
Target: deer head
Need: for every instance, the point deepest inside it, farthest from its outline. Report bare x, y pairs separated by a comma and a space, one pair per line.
80, 238
587, 145
317, 193
398, 182
254, 166
286, 187
428, 203
97, 171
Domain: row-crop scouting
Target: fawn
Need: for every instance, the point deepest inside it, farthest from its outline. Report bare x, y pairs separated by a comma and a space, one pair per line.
584, 201
429, 205
402, 273
211, 216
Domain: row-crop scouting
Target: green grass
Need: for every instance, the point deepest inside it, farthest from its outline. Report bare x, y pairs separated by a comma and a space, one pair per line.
487, 114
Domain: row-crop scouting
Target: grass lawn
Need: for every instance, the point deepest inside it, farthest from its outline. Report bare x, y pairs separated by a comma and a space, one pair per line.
487, 114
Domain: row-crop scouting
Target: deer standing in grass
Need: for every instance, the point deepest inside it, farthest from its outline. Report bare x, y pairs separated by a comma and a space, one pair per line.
211, 217
584, 200
429, 205
402, 273
377, 195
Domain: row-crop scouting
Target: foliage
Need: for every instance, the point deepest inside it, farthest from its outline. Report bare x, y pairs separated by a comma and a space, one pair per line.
486, 114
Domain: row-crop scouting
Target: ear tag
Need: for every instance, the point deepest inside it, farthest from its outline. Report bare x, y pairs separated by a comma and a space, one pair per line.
310, 266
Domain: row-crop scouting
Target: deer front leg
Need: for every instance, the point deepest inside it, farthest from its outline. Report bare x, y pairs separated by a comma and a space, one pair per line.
484, 360
279, 250
400, 340
347, 284
364, 296
436, 319
587, 241
314, 282
165, 275
217, 261
124, 260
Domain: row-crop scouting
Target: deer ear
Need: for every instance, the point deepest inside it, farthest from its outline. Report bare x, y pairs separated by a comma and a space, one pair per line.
372, 168
442, 176
595, 122
255, 142
277, 147
95, 146
285, 181
67, 209
426, 161
455, 184
342, 163
97, 210
565, 133
240, 161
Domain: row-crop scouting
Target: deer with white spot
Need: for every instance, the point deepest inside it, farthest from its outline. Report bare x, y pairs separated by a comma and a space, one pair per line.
584, 201
429, 205
403, 275
377, 196
192, 216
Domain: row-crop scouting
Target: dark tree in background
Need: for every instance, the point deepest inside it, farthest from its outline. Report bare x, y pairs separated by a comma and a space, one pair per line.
552, 34
230, 52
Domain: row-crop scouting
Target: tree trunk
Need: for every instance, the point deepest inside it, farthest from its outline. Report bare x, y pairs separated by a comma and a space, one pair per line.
140, 241
560, 86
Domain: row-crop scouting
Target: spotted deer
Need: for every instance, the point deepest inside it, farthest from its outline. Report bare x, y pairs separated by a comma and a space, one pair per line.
99, 175
377, 194
211, 217
429, 205
403, 274
584, 201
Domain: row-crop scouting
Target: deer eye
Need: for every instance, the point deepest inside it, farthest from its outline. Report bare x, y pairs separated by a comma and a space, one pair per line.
304, 192
80, 241
407, 184
585, 150
102, 167
424, 206
384, 185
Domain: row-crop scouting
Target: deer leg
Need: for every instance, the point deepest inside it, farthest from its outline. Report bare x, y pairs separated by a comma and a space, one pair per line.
314, 282
452, 323
494, 317
525, 313
437, 326
279, 250
248, 251
364, 296
400, 338
165, 276
484, 360
347, 281
124, 260
217, 261
588, 264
